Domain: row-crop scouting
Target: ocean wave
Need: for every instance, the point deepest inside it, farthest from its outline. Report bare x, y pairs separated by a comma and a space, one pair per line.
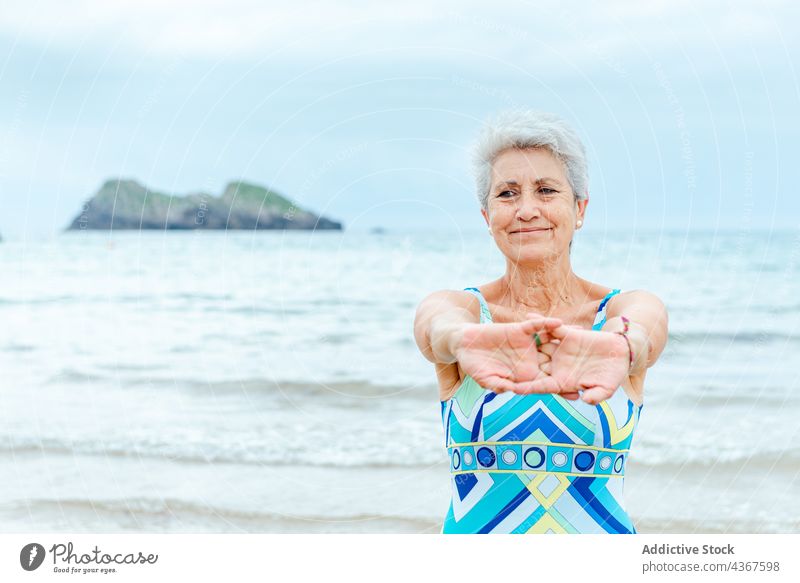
71, 375
741, 396
659, 453
173, 509
718, 395
649, 453
266, 454
149, 299
358, 392
735, 525
753, 337
358, 389
38, 301
19, 348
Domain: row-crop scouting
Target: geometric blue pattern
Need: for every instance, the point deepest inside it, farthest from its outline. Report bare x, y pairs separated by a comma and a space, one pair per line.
530, 457
537, 463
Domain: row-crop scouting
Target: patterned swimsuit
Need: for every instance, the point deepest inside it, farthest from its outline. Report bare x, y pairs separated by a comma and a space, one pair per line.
537, 463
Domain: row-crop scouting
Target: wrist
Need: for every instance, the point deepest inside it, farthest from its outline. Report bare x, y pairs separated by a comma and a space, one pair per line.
633, 343
626, 348
455, 339
447, 340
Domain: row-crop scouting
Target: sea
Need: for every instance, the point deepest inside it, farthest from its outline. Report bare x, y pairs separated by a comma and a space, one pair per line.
240, 381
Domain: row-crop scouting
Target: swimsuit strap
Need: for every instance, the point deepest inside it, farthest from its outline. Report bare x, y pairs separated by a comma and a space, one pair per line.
600, 317
486, 315
599, 320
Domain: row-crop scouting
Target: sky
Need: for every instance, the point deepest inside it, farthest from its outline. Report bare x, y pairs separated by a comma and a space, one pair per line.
365, 112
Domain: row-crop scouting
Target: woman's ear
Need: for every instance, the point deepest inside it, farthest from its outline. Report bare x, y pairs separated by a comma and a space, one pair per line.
582, 209
486, 218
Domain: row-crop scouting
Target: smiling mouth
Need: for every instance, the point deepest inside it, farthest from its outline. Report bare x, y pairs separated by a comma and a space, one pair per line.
526, 231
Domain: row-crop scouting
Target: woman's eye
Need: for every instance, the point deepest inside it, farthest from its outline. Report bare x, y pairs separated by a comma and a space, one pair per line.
547, 191
504, 193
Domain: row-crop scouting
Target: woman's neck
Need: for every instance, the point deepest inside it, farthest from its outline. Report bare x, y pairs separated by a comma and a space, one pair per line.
543, 289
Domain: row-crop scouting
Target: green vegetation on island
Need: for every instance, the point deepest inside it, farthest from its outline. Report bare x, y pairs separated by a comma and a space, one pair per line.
126, 204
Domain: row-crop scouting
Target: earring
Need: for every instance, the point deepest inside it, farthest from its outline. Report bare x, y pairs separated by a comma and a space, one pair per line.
580, 222
490, 229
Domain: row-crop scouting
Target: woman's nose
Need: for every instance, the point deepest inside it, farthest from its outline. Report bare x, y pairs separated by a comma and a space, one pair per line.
528, 207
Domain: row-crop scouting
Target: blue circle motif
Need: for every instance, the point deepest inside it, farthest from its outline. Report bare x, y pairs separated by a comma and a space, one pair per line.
485, 457
584, 460
456, 459
559, 459
531, 459
618, 464
509, 456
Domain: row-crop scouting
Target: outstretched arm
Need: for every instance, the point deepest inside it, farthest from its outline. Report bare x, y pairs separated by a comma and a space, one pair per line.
498, 356
648, 328
439, 323
597, 363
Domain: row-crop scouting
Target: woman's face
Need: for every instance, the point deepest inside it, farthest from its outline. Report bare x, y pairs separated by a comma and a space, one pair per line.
531, 208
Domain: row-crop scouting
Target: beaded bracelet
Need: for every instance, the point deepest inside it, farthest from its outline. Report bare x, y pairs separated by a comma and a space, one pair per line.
624, 334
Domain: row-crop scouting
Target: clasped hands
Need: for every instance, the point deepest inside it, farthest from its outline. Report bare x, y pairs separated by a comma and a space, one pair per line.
571, 361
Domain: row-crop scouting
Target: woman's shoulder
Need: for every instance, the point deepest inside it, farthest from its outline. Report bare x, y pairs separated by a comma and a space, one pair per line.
598, 291
446, 299
641, 298
617, 295
456, 296
490, 291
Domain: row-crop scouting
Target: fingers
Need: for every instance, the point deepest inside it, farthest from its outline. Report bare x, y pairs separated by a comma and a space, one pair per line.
544, 384
594, 395
544, 334
498, 384
561, 332
571, 396
540, 329
546, 367
547, 347
542, 358
537, 321
544, 338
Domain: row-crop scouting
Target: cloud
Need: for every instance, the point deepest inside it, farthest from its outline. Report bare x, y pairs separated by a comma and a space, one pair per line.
199, 28
249, 29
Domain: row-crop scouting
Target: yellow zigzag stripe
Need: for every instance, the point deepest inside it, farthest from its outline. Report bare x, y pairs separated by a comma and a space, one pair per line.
545, 523
618, 434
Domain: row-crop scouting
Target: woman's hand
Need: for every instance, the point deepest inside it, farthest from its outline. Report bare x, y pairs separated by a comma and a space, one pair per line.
504, 357
591, 361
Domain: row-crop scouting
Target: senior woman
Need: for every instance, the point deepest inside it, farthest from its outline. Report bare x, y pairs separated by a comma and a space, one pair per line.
541, 372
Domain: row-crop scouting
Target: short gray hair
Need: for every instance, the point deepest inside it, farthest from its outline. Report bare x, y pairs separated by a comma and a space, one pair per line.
525, 128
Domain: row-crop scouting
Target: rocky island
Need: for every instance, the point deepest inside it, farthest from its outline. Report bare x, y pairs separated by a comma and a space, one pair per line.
126, 204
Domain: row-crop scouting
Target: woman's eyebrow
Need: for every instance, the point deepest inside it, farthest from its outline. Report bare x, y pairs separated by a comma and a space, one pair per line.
506, 183
548, 179
538, 181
